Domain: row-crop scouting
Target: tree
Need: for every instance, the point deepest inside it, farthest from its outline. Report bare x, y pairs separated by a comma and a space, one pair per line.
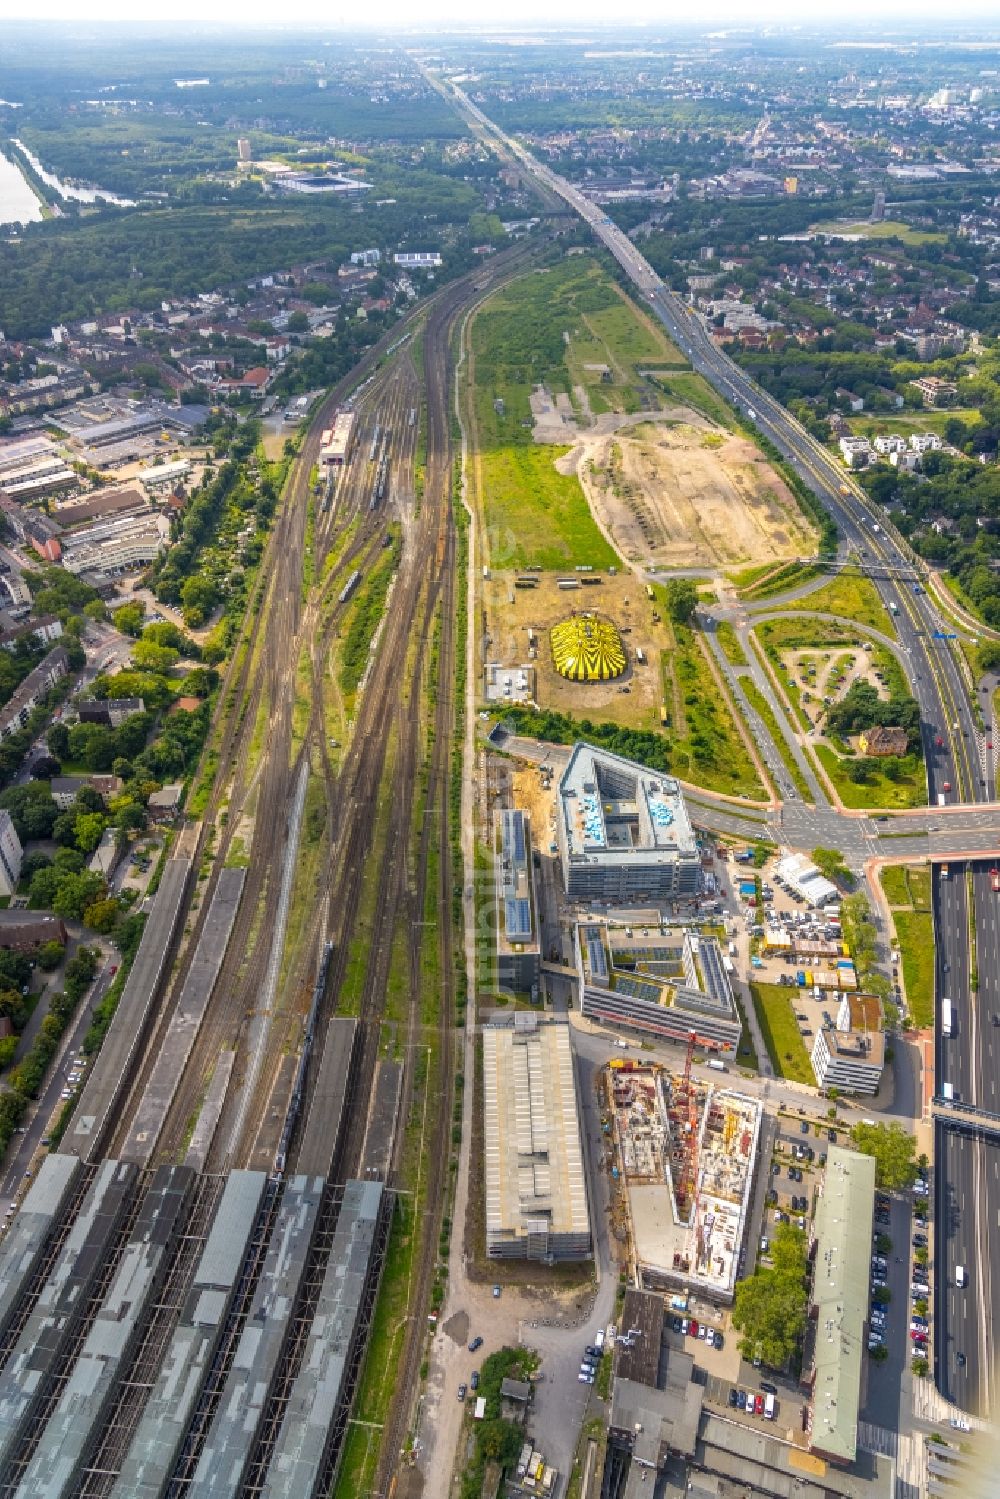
58, 741
102, 915
130, 618
830, 862
149, 656
89, 830
42, 889
894, 1151
682, 600
198, 599
49, 956
770, 1307
919, 1366
75, 893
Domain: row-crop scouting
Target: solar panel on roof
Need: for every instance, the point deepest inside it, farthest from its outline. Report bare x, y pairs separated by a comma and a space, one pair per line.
518, 917
517, 836
595, 956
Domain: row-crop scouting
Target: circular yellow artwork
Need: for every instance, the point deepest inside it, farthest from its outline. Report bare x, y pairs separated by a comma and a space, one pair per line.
587, 649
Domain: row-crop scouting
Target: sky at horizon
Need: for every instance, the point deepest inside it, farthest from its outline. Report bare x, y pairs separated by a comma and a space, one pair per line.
905, 14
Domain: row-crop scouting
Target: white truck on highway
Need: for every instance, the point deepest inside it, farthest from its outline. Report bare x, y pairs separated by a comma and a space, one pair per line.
947, 1018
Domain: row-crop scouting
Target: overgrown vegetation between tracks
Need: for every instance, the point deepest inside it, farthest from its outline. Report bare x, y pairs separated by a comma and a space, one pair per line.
367, 613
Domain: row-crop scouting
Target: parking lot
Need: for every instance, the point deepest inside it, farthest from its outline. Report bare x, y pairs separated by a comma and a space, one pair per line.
900, 1284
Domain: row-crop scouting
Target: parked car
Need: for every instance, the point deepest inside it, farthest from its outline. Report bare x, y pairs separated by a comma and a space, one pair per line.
474, 1381
693, 1329
462, 1391
733, 1398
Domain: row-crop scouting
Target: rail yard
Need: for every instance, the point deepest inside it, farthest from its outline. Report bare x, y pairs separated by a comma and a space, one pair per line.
224, 1193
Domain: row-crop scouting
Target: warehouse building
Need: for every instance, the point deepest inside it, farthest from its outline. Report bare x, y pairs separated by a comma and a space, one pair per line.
851, 1054
673, 984
100, 505
624, 833
536, 1192
842, 1230
337, 439
518, 946
163, 476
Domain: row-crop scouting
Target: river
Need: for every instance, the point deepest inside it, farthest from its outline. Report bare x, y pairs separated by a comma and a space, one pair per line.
18, 204
69, 193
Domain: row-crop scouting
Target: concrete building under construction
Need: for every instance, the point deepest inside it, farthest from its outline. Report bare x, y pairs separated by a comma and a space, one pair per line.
686, 1154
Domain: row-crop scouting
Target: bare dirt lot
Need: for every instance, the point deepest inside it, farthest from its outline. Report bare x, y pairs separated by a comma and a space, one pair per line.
512, 612
683, 493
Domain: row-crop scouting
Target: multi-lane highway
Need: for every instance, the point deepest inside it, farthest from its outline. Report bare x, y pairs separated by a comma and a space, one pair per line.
960, 769
953, 746
968, 1164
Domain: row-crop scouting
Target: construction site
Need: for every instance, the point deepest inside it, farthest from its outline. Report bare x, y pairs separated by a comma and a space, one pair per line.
685, 1154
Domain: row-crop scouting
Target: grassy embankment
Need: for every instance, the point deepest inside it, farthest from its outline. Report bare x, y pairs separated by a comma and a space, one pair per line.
774, 1005
557, 328
908, 891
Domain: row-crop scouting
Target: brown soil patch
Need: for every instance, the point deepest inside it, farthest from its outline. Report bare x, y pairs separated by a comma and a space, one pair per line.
685, 495
513, 614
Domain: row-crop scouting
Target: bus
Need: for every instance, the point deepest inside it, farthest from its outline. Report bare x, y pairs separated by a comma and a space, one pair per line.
947, 1018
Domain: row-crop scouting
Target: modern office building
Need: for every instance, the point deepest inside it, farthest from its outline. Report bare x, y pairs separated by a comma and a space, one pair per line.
623, 831
672, 984
518, 943
841, 1249
536, 1191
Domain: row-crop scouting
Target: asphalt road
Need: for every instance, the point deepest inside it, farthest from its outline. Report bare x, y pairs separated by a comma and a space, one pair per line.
19, 1161
968, 1168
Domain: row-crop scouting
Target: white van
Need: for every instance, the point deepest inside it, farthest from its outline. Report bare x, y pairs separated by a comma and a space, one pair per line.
770, 1407
961, 1276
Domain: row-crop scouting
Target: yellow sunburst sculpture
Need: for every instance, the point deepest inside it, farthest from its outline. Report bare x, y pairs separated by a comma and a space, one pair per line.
587, 649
